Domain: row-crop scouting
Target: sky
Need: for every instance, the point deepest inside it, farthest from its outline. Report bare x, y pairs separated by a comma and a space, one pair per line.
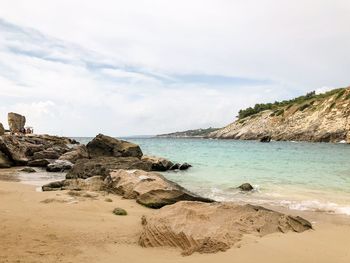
143, 67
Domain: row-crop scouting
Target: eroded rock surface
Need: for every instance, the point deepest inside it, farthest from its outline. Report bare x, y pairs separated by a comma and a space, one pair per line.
76, 153
16, 122
213, 227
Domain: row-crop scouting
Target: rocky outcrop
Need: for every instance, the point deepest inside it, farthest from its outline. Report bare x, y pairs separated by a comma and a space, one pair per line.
102, 166
212, 227
4, 161
106, 146
76, 153
2, 130
323, 118
94, 183
16, 122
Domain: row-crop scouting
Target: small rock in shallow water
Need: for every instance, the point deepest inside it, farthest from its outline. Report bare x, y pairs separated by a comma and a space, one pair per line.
175, 166
28, 170
246, 187
185, 166
120, 212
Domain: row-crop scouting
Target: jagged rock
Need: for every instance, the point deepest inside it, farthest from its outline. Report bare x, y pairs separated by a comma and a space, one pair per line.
246, 187
148, 188
38, 163
59, 166
16, 122
94, 183
158, 163
78, 152
14, 149
103, 145
175, 166
46, 154
185, 166
265, 138
4, 161
212, 227
2, 130
85, 168
28, 170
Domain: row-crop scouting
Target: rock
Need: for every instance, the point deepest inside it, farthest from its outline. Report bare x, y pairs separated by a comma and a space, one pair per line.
212, 227
16, 122
59, 166
2, 130
120, 212
185, 166
265, 138
175, 166
14, 149
85, 168
28, 170
103, 145
157, 163
148, 188
4, 161
246, 187
38, 163
94, 183
78, 152
46, 154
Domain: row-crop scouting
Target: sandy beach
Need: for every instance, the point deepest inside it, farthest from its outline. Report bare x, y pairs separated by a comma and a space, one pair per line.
59, 227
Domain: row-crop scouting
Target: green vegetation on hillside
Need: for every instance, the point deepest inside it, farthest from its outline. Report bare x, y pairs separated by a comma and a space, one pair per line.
190, 133
309, 97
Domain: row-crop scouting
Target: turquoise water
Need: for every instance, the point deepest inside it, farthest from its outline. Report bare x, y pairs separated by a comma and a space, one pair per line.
304, 176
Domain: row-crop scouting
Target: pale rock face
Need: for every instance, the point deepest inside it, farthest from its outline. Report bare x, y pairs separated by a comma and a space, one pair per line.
16, 121
327, 120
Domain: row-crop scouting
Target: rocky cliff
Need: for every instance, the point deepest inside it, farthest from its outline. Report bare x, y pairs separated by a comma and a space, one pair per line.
317, 118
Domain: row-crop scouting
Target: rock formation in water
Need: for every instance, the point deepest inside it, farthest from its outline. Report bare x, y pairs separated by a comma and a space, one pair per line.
318, 118
212, 227
16, 122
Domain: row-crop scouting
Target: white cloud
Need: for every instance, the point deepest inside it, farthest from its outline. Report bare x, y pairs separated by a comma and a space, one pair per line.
112, 66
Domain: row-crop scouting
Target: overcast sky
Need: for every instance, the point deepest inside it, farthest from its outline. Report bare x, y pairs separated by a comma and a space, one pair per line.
78, 67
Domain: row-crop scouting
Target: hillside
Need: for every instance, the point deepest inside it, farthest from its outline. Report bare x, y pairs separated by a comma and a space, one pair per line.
317, 118
198, 133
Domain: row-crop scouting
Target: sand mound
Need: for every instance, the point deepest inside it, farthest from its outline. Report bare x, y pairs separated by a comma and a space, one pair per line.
212, 227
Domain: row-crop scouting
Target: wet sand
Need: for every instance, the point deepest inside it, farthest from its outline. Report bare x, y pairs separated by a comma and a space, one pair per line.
59, 227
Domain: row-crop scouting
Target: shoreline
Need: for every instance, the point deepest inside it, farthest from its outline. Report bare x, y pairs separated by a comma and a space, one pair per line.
67, 228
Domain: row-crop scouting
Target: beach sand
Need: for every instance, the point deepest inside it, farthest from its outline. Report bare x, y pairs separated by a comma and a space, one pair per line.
67, 228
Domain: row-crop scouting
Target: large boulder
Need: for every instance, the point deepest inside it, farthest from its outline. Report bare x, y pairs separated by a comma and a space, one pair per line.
212, 227
16, 122
59, 166
4, 161
148, 188
38, 163
85, 168
2, 130
103, 145
76, 153
46, 154
14, 149
158, 163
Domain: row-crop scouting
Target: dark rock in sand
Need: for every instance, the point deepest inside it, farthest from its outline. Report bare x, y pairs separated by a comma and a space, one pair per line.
120, 212
101, 166
185, 166
28, 170
59, 166
266, 138
210, 228
157, 163
103, 145
38, 163
76, 153
246, 187
53, 186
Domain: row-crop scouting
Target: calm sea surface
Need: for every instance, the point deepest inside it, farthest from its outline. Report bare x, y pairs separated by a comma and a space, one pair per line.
303, 176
